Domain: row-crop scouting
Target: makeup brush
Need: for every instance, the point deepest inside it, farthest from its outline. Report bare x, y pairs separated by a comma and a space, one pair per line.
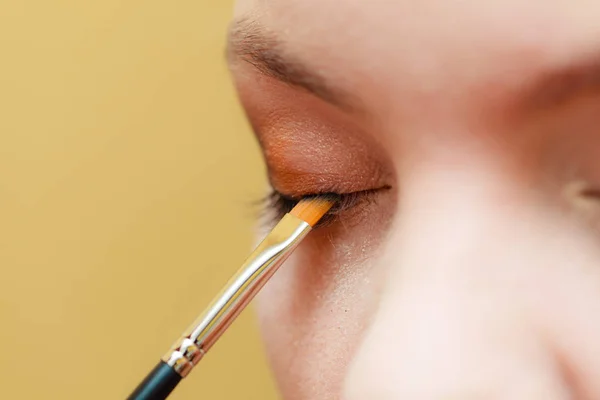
227, 305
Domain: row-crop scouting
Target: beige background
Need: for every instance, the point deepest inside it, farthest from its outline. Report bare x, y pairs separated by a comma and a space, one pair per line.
127, 176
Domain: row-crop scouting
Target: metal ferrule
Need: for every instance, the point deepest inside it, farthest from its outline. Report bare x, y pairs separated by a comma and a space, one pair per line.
241, 289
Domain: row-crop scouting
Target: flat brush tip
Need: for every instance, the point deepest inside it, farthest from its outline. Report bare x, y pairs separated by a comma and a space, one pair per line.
313, 209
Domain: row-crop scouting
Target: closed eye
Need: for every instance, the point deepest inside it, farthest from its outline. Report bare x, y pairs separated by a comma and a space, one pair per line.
593, 193
277, 204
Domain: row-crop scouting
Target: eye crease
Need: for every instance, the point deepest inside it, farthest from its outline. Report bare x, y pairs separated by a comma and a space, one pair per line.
278, 204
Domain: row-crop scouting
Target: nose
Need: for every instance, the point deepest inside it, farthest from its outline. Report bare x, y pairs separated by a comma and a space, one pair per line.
453, 320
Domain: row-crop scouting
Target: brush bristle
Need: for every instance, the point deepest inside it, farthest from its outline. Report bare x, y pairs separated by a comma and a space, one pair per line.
313, 209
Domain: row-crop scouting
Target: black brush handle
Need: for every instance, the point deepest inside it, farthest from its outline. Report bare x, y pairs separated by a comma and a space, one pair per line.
157, 385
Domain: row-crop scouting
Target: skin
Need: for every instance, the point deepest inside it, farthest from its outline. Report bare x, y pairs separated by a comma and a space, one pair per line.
473, 269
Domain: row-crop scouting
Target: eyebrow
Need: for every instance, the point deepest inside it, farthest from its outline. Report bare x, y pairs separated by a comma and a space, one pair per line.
251, 42
559, 87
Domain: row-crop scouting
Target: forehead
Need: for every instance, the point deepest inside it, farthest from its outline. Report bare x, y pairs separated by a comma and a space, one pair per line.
451, 57
426, 19
430, 38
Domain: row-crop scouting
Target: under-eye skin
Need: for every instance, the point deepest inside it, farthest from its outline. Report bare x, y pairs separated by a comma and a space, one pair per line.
278, 204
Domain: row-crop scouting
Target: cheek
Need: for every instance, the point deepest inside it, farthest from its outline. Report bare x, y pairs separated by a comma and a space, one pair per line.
312, 321
316, 308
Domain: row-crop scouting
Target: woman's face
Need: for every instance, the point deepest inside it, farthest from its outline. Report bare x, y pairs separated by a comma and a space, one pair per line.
465, 137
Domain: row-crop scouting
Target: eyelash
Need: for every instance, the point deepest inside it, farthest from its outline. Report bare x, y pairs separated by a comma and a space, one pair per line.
278, 204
